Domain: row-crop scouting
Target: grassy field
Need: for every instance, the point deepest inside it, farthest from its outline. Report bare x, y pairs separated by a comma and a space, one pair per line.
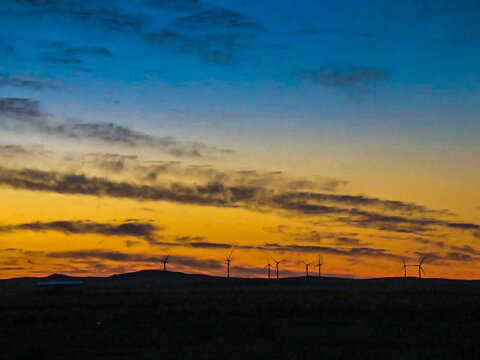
172, 316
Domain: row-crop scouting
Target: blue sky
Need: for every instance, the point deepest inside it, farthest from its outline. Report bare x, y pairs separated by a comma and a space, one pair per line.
250, 65
254, 123
320, 78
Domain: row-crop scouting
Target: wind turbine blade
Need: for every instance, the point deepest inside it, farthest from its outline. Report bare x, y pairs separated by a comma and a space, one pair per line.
230, 256
275, 260
421, 262
422, 270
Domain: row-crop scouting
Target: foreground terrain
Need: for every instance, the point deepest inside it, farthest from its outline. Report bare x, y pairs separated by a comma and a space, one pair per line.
156, 315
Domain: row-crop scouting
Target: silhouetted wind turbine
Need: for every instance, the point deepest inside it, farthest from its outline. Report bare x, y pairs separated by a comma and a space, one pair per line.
306, 267
319, 265
276, 264
228, 263
165, 261
404, 268
268, 267
420, 268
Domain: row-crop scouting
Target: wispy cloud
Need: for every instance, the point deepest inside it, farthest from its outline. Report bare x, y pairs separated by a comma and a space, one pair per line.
62, 53
26, 114
25, 82
146, 231
220, 18
177, 5
217, 48
21, 108
344, 78
100, 13
220, 195
182, 261
351, 252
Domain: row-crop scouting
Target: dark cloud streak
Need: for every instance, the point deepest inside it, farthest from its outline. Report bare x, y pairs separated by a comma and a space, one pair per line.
340, 78
26, 113
146, 231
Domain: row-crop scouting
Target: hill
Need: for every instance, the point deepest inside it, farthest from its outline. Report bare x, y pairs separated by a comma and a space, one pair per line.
168, 315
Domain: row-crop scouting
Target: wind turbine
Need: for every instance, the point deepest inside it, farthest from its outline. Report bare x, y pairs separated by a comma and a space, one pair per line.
165, 261
268, 267
404, 268
306, 267
276, 264
420, 268
319, 265
228, 263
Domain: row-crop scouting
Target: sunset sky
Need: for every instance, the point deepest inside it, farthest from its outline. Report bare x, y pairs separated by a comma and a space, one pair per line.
130, 129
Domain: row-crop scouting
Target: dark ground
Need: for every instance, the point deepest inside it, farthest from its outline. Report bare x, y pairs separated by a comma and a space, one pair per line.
154, 315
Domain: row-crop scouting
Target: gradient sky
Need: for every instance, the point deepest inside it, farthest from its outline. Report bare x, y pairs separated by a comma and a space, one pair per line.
134, 128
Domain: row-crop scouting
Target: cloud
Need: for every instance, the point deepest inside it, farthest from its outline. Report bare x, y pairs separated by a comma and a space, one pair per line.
337, 77
344, 240
38, 180
175, 260
209, 245
370, 218
216, 48
187, 239
205, 32
352, 252
15, 81
146, 231
217, 194
456, 256
12, 150
21, 108
465, 249
400, 223
198, 243
61, 53
219, 18
26, 113
116, 134
355, 201
177, 5
97, 12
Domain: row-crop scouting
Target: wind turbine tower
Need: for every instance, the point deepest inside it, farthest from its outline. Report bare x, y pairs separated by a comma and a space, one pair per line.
165, 261
319, 265
276, 264
420, 268
268, 267
306, 268
228, 263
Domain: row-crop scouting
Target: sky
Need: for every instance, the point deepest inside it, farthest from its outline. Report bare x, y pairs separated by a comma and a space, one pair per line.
131, 129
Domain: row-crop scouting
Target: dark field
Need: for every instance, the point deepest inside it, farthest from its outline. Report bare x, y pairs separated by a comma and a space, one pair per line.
153, 315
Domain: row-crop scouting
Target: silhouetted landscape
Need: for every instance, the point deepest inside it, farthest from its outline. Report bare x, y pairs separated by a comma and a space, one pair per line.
156, 314
284, 158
